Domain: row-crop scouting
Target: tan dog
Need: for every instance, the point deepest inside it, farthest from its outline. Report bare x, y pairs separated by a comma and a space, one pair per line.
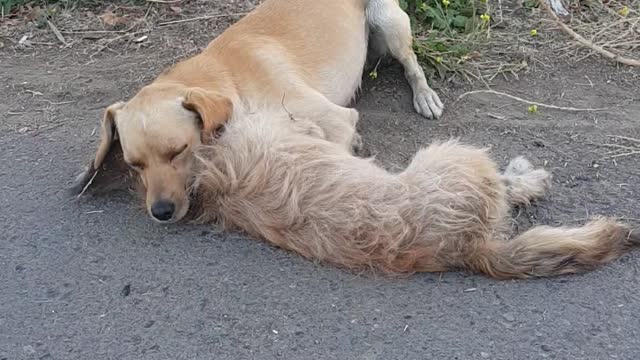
305, 56
277, 179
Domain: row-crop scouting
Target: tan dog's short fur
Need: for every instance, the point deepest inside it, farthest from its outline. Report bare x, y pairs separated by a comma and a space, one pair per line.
283, 171
305, 56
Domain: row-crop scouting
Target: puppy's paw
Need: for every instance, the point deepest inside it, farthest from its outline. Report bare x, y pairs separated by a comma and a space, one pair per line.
427, 103
518, 166
539, 180
522, 188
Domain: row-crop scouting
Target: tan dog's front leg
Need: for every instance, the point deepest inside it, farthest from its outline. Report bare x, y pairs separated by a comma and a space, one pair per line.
337, 123
391, 31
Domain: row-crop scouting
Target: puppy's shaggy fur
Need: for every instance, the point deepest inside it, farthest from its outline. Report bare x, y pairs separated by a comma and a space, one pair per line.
277, 179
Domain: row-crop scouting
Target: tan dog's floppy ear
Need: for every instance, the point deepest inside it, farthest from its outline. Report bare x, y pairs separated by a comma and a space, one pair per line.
108, 133
214, 110
104, 154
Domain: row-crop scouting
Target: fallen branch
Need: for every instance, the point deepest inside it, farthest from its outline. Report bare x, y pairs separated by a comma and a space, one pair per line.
586, 43
200, 18
528, 101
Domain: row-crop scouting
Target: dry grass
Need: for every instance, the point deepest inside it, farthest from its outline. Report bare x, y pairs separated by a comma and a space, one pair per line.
612, 28
519, 37
503, 46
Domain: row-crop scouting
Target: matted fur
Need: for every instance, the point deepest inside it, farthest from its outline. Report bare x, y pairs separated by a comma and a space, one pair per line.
270, 176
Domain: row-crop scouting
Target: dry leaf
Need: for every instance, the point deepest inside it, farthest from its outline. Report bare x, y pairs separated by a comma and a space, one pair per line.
175, 9
32, 13
24, 41
111, 19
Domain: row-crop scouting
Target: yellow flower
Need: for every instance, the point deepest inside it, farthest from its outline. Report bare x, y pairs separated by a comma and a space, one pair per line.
485, 17
445, 3
439, 59
483, 1
624, 11
533, 109
534, 32
373, 75
423, 7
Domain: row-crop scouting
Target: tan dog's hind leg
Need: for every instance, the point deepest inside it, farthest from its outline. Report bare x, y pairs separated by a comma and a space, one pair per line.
390, 26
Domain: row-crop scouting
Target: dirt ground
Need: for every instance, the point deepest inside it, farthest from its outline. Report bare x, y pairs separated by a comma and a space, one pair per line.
96, 280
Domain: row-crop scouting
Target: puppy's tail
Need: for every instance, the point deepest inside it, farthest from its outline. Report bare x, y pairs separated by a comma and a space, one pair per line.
549, 251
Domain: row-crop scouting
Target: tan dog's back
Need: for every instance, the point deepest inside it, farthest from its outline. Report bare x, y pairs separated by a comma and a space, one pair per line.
316, 52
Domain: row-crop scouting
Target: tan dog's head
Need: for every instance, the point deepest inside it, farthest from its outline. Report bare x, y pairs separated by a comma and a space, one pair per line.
158, 130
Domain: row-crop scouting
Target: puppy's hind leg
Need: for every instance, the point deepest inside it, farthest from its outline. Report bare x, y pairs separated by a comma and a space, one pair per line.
525, 183
390, 29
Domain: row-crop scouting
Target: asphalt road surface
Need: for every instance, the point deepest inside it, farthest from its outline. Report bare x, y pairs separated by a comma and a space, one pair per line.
96, 279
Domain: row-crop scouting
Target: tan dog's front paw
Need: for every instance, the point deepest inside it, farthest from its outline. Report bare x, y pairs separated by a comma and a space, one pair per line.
427, 103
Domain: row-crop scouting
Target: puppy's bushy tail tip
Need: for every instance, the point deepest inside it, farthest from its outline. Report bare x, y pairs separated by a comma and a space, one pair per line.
550, 251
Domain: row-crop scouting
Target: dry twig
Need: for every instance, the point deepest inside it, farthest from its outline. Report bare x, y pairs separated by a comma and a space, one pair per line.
200, 18
84, 189
528, 101
631, 148
57, 33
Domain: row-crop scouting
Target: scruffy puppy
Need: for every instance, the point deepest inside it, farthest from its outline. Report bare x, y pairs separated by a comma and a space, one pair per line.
305, 55
279, 179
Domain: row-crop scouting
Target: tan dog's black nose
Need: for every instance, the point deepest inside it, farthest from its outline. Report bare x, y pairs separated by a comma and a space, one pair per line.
163, 210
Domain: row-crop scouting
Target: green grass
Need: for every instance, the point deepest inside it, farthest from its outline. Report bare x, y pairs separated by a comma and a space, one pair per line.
7, 5
448, 33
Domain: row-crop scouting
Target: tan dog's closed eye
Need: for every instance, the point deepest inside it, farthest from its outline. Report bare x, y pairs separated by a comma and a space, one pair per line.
158, 142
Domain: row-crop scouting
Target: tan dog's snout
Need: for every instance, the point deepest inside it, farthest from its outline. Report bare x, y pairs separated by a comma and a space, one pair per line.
166, 198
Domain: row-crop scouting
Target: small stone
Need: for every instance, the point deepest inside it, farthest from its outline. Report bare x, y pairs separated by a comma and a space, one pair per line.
538, 143
484, 355
545, 347
29, 349
23, 130
509, 317
149, 324
126, 290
